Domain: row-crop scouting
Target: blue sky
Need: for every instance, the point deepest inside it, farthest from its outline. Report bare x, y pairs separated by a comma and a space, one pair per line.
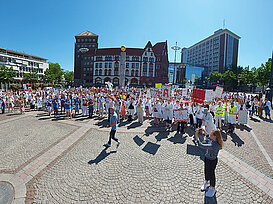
47, 28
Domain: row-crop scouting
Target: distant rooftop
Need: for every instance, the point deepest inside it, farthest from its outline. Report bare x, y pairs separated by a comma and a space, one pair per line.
86, 33
218, 32
19, 53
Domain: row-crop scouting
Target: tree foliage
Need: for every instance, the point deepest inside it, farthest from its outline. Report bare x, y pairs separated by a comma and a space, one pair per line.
31, 77
69, 76
53, 73
7, 74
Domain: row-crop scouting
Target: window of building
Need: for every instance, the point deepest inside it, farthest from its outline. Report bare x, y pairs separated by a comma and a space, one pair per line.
96, 72
110, 65
87, 69
90, 39
127, 72
84, 75
100, 65
137, 65
145, 59
136, 72
105, 72
127, 58
132, 72
94, 40
116, 65
97, 65
116, 58
106, 65
84, 69
100, 72
127, 65
82, 40
109, 72
133, 65
145, 66
151, 59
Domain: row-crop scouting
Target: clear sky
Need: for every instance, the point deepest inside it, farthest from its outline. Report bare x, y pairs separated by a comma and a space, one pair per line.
47, 28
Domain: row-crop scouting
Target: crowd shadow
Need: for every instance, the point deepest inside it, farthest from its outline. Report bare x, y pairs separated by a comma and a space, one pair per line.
236, 140
196, 151
243, 127
103, 123
267, 120
177, 139
103, 154
134, 125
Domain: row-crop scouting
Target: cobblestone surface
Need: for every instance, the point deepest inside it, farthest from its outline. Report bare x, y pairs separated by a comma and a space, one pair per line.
243, 146
158, 168
24, 138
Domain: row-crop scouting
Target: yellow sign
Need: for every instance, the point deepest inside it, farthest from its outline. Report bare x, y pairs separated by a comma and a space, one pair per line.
158, 85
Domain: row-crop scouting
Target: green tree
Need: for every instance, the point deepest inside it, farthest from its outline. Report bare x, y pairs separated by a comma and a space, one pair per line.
31, 77
69, 77
7, 74
215, 77
54, 73
229, 79
262, 73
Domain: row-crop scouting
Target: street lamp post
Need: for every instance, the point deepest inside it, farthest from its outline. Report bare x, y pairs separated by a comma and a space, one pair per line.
175, 48
269, 89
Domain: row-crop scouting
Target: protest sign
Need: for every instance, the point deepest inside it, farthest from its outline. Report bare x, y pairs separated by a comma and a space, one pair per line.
184, 92
158, 85
209, 95
166, 92
24, 86
198, 95
242, 117
180, 115
219, 91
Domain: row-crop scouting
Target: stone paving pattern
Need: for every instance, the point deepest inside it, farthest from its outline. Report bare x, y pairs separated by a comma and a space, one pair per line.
6, 193
163, 169
24, 138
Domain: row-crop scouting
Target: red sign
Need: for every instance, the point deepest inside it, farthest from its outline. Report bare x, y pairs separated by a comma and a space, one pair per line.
198, 95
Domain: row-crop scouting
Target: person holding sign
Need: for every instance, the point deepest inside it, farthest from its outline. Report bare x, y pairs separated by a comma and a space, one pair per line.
181, 124
212, 149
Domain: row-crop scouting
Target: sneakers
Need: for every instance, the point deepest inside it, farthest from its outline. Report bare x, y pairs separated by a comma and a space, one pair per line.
211, 192
205, 186
118, 144
107, 145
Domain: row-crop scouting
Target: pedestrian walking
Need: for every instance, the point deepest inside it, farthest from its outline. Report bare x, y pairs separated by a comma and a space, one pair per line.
113, 125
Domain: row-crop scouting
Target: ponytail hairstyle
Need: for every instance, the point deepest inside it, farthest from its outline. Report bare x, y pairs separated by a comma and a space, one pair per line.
219, 138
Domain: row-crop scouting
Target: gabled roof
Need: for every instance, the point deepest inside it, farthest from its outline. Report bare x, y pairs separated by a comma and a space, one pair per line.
149, 45
159, 47
86, 33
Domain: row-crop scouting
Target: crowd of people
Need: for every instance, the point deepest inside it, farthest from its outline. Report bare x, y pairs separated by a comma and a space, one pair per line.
208, 117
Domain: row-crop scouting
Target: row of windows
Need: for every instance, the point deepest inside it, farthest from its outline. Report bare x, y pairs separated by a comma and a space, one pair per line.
87, 40
88, 63
12, 60
85, 45
128, 58
87, 69
89, 58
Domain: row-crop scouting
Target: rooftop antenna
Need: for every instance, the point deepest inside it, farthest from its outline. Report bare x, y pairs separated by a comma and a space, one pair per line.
224, 24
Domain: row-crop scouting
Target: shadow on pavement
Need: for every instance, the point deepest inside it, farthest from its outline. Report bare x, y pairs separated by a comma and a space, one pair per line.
151, 148
138, 140
267, 120
236, 140
162, 135
134, 125
243, 127
177, 139
212, 200
101, 156
196, 151
103, 123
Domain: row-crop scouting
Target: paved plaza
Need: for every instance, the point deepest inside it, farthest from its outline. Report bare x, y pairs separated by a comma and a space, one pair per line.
54, 160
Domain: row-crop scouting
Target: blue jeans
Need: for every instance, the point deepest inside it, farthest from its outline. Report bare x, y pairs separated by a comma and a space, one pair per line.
267, 111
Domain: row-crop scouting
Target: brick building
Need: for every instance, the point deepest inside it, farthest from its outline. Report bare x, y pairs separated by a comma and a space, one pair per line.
143, 67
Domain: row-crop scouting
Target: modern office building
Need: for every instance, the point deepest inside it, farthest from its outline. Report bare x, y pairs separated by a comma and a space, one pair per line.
94, 66
217, 52
22, 62
176, 73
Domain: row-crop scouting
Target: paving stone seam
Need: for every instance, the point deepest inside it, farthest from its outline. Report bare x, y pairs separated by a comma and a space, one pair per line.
261, 147
28, 184
38, 155
246, 171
